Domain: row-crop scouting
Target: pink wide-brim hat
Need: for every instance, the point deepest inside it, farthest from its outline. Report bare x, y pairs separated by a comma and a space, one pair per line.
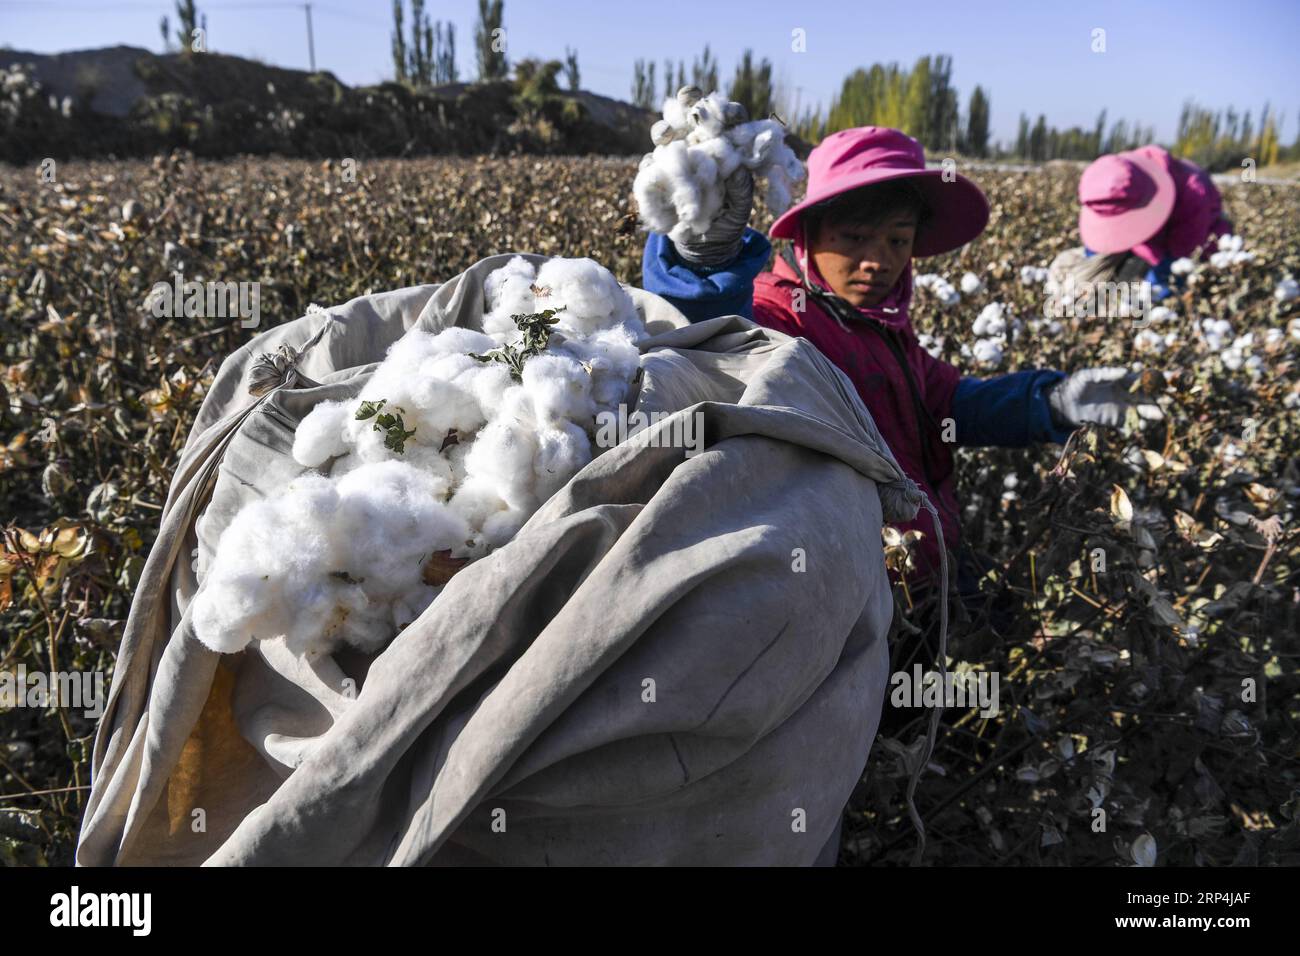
853, 158
1124, 200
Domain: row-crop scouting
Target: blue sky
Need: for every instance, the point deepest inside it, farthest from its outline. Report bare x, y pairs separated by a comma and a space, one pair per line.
1030, 56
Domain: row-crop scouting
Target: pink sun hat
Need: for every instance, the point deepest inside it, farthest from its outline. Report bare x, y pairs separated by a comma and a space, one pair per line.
1124, 200
853, 158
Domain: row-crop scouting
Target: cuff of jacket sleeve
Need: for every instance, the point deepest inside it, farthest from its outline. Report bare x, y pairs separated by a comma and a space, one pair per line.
703, 292
1041, 426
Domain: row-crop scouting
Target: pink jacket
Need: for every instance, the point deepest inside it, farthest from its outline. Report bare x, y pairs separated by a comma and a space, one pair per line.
1197, 216
888, 367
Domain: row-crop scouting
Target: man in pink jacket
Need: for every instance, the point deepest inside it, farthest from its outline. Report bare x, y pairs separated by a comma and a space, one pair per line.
1149, 206
846, 285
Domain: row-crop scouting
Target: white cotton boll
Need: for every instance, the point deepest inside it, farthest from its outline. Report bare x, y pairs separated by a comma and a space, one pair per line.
990, 321
590, 295
322, 434
223, 608
501, 526
1148, 341
503, 455
508, 291
1161, 314
508, 282
561, 453
1182, 266
1034, 275
1232, 359
931, 344
490, 386
430, 461
1217, 332
390, 514
946, 293
674, 114
516, 408
653, 189
939, 287
697, 195
560, 389
971, 284
1287, 290
613, 357
405, 356
680, 188
461, 341
780, 189
988, 351
662, 133
443, 399
475, 500
673, 175
455, 457
1231, 253
1273, 337
708, 117
267, 547
725, 155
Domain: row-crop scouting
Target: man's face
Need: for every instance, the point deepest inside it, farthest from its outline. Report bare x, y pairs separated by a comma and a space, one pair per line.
862, 262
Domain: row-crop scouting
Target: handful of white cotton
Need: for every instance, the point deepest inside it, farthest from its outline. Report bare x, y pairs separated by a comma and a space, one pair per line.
700, 141
452, 444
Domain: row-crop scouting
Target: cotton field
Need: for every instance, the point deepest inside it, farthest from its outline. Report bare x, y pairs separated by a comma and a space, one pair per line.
1137, 581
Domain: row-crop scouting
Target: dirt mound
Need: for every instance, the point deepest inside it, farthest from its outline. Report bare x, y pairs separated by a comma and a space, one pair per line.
126, 101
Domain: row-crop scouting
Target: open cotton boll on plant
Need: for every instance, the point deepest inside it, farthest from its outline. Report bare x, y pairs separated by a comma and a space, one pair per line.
702, 140
455, 440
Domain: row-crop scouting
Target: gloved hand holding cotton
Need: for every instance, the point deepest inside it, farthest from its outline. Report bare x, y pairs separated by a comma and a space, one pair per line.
699, 143
452, 444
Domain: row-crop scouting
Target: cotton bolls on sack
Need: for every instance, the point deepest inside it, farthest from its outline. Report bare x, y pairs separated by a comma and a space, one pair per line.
701, 140
456, 439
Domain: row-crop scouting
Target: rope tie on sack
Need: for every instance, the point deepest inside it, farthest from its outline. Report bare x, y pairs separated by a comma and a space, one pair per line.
935, 713
279, 369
